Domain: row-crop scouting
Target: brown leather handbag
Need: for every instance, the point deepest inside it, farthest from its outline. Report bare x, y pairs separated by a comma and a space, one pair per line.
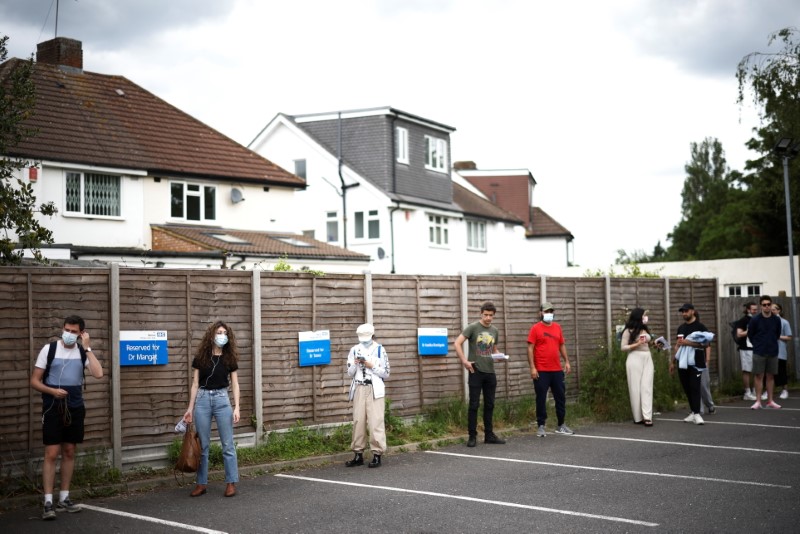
189, 458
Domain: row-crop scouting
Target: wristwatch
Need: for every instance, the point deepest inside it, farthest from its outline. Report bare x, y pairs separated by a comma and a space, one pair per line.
88, 349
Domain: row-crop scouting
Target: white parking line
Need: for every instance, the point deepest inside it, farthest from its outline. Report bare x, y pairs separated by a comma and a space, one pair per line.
475, 499
151, 519
764, 425
609, 469
683, 444
782, 409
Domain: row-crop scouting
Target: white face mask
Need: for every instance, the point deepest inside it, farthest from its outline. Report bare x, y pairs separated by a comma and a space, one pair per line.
69, 338
220, 340
547, 317
645, 319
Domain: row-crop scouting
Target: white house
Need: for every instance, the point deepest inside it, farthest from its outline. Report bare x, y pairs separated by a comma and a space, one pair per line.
378, 181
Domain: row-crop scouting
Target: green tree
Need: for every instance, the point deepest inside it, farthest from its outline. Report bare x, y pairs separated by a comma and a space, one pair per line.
18, 226
772, 80
711, 209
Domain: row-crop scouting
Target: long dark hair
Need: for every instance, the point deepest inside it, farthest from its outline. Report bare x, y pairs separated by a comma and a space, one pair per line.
635, 324
230, 352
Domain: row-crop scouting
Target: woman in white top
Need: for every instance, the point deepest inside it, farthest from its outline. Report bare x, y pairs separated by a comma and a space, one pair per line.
639, 366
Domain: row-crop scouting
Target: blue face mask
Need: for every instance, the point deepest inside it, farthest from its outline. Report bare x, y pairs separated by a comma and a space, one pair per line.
69, 338
367, 343
220, 340
547, 317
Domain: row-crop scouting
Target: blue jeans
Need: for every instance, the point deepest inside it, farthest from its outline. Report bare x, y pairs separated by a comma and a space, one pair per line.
216, 403
553, 381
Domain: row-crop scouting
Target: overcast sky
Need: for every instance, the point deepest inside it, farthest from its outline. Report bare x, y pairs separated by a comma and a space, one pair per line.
598, 99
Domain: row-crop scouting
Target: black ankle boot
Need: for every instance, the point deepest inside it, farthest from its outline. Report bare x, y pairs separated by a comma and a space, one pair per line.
376, 461
358, 459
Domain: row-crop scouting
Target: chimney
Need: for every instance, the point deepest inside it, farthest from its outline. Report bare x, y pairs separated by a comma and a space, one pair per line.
61, 51
464, 166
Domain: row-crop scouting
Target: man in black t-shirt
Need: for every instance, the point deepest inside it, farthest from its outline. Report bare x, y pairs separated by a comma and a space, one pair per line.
691, 375
745, 349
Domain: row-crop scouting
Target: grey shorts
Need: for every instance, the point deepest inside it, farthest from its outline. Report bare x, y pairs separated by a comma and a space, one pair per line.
746, 356
765, 364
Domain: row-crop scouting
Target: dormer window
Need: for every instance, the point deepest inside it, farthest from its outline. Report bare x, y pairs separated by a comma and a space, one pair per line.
401, 137
435, 154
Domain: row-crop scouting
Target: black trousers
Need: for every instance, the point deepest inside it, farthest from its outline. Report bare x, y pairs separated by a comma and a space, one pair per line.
481, 382
690, 380
553, 381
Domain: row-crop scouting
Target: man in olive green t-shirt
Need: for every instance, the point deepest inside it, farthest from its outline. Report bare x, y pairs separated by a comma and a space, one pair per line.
482, 337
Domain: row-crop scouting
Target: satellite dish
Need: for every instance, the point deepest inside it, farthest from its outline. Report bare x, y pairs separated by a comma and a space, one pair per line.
381, 253
236, 195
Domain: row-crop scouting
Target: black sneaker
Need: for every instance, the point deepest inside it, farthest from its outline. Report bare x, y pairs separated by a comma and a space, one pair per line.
49, 512
492, 438
67, 506
472, 441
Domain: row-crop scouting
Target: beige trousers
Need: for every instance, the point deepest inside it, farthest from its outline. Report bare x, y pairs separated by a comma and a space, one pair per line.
367, 409
639, 367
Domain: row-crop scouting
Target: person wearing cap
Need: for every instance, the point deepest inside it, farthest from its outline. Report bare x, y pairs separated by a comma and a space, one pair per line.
745, 348
481, 338
690, 374
546, 348
368, 365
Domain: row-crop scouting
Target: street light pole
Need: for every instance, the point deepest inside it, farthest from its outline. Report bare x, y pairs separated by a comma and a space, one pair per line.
787, 149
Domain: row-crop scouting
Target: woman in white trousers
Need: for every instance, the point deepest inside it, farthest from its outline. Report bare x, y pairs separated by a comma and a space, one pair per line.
639, 366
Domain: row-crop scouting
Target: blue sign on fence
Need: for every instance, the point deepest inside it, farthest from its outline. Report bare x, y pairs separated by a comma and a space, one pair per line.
143, 347
315, 347
432, 341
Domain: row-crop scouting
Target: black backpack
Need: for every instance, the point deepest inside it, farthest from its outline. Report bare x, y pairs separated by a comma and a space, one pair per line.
51, 355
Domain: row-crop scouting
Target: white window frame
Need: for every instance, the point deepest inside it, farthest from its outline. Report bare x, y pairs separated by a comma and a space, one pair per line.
476, 235
401, 137
331, 217
362, 228
199, 193
438, 231
744, 290
82, 194
435, 154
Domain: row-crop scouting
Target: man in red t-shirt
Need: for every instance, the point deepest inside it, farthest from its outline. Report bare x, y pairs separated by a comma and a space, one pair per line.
545, 350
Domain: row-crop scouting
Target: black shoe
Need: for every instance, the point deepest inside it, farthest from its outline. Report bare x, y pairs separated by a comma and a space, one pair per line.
491, 438
472, 441
376, 461
358, 459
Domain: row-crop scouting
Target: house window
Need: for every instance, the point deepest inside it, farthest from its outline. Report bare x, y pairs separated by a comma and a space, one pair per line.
402, 145
93, 194
193, 202
476, 235
750, 290
300, 168
367, 223
332, 227
435, 154
437, 230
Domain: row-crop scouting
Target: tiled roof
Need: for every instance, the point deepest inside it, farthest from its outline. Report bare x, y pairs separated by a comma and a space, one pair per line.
475, 205
253, 243
105, 120
545, 226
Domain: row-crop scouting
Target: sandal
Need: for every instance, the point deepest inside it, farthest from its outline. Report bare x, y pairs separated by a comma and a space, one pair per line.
648, 422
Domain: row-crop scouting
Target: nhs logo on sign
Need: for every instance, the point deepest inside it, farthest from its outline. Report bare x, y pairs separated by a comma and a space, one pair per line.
432, 341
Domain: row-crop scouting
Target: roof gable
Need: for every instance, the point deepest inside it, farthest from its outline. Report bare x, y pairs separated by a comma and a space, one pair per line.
105, 120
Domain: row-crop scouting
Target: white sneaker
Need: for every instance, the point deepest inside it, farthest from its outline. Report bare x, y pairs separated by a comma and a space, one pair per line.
785, 394
764, 396
689, 418
748, 396
698, 420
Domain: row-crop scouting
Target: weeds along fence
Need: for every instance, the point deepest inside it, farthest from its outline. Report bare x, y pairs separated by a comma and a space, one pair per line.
132, 410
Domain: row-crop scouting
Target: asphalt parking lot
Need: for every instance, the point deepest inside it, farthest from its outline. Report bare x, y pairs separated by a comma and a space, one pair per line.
740, 472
